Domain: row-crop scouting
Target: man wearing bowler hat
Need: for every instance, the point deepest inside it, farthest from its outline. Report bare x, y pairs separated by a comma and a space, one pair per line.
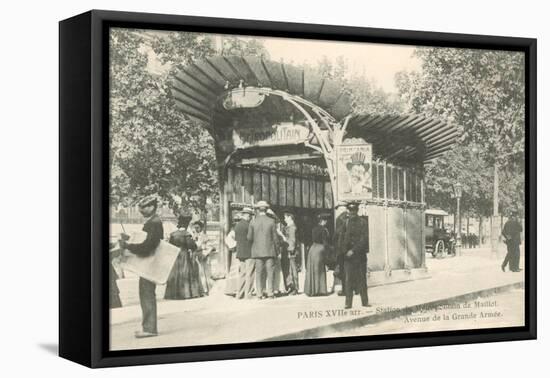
262, 233
354, 247
155, 233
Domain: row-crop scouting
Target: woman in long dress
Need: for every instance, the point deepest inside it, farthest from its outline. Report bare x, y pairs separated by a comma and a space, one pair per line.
316, 278
203, 254
184, 281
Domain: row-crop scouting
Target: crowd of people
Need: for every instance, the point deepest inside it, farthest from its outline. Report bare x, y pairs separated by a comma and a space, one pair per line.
469, 240
190, 276
267, 257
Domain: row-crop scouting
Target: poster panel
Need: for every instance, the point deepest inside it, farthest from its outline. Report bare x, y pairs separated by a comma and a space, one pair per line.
353, 172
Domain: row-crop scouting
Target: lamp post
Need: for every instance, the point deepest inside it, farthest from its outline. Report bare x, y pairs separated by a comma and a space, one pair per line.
458, 194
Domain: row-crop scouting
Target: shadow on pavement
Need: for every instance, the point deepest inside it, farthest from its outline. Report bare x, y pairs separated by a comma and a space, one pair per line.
52, 348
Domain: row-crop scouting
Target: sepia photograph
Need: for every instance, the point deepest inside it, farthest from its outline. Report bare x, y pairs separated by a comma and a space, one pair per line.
274, 189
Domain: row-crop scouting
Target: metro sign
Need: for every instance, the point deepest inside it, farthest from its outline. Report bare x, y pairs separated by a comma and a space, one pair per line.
276, 135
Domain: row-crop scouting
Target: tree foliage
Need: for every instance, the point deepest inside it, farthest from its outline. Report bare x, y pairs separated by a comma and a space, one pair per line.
154, 147
483, 93
462, 165
366, 96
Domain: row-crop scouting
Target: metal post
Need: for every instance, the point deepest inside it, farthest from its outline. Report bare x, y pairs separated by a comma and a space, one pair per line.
459, 234
494, 225
458, 194
387, 267
406, 259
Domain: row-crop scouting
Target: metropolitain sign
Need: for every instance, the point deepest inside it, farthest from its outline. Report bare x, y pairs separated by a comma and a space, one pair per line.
275, 135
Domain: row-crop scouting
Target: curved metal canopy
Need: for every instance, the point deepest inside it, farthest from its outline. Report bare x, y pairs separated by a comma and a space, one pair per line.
404, 136
200, 87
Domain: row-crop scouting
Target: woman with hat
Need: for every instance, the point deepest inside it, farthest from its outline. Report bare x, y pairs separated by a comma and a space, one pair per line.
202, 254
316, 278
184, 280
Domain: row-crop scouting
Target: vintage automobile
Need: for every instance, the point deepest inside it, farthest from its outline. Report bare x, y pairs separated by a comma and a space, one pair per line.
439, 241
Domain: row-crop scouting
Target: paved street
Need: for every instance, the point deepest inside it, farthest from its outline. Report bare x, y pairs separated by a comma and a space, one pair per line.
221, 319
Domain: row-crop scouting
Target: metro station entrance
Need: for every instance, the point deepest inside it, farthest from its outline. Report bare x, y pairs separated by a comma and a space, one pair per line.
290, 136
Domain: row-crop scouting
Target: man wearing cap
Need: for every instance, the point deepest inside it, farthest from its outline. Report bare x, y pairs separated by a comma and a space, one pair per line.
245, 278
155, 233
512, 237
355, 246
262, 233
339, 228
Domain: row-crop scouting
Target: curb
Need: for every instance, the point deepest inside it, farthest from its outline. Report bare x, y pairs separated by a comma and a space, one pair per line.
387, 315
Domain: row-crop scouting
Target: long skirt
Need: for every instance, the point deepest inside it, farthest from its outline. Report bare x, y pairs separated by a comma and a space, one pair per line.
316, 277
184, 281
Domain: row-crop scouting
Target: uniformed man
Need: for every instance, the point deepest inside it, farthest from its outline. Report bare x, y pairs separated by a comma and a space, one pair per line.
338, 234
155, 233
512, 237
355, 246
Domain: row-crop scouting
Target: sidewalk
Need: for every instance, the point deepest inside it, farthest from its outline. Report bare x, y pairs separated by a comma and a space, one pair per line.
222, 319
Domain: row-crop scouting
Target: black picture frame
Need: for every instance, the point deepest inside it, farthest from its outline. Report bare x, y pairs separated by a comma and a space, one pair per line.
83, 180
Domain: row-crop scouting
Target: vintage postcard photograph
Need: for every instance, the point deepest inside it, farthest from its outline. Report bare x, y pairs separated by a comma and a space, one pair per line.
276, 189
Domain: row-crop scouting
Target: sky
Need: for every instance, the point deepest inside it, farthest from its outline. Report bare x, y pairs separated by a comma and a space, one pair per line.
378, 61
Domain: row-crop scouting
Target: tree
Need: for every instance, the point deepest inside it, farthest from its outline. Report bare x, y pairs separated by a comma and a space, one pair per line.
483, 93
243, 47
366, 96
461, 165
154, 147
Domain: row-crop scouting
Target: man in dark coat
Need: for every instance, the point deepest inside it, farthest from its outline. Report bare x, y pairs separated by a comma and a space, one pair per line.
512, 237
262, 233
355, 246
245, 278
338, 234
155, 233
